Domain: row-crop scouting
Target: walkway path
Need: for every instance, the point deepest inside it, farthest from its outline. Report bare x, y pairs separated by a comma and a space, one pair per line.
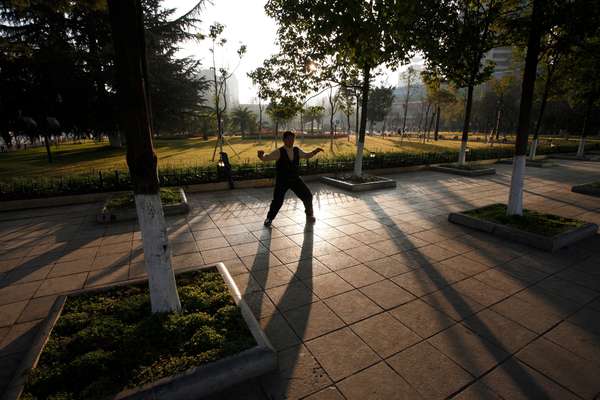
382, 299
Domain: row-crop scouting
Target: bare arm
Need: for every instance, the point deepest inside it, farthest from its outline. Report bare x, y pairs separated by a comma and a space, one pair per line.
313, 153
272, 156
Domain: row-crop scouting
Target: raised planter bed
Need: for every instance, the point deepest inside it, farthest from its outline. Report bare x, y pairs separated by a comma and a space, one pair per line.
121, 207
541, 163
542, 231
592, 189
370, 183
249, 356
468, 170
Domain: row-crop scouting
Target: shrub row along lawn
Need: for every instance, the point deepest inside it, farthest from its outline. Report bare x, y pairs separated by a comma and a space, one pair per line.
127, 200
70, 159
106, 342
531, 221
41, 185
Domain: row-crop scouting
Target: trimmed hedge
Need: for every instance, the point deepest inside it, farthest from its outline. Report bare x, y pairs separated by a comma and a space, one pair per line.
41, 187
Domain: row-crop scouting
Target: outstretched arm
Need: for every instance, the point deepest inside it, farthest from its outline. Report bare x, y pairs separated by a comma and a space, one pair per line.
272, 156
311, 154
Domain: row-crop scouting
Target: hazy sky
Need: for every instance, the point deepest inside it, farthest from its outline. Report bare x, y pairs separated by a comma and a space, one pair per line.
245, 22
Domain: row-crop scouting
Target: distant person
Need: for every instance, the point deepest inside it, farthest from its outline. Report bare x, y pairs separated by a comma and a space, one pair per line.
287, 177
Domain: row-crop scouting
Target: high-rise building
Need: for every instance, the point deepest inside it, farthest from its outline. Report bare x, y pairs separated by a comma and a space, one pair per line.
232, 90
503, 58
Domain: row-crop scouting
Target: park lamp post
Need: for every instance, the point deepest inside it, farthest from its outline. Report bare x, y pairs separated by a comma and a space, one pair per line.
127, 24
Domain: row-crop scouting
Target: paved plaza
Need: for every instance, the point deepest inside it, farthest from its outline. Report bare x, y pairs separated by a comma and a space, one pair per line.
382, 298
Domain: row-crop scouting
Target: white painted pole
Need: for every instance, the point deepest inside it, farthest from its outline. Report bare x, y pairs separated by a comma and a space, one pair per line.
533, 150
157, 254
581, 148
515, 197
359, 158
462, 155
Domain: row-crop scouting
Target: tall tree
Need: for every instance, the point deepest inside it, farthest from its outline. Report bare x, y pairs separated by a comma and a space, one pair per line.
132, 75
281, 111
515, 198
455, 40
314, 113
242, 118
380, 104
409, 76
340, 35
438, 95
334, 103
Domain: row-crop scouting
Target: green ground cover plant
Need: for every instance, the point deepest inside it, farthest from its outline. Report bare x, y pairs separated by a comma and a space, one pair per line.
126, 200
106, 342
531, 221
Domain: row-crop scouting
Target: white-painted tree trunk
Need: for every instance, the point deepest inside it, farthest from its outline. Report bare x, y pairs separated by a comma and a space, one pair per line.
515, 197
157, 254
359, 157
533, 149
462, 155
581, 148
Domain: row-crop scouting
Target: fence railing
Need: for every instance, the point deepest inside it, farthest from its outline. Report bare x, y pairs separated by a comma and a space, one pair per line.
109, 181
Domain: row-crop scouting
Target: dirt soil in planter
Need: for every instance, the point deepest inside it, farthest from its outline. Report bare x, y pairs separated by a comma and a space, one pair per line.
530, 221
106, 342
358, 179
126, 200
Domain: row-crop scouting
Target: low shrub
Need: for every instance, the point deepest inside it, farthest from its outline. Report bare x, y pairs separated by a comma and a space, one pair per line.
97, 182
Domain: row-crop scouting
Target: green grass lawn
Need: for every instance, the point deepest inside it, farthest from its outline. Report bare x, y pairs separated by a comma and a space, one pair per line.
72, 159
69, 159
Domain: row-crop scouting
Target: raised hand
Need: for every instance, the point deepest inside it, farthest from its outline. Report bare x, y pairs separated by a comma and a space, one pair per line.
261, 153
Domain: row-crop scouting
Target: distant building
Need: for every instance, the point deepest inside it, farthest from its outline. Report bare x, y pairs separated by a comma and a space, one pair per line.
503, 58
232, 93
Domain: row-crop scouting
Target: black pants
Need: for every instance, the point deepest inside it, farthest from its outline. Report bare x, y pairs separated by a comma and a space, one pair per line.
298, 187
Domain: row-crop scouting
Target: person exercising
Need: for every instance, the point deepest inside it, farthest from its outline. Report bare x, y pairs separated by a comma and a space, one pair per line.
287, 177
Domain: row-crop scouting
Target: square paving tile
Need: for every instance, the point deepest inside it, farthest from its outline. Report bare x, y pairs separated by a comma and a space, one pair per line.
37, 309
342, 353
469, 350
279, 332
330, 393
219, 255
298, 375
385, 334
61, 285
307, 268
387, 294
273, 277
365, 253
352, 306
312, 320
465, 265
564, 367
456, 305
500, 330
378, 382
107, 276
430, 372
9, 313
422, 318
577, 340
290, 296
501, 280
337, 261
587, 318
479, 291
328, 285
360, 275
515, 380
388, 267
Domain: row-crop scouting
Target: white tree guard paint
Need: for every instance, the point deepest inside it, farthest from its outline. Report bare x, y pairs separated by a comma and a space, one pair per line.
515, 197
157, 254
359, 158
581, 148
533, 149
462, 155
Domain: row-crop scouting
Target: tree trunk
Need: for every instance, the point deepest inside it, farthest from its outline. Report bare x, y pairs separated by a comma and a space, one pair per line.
465, 133
130, 62
356, 126
437, 124
581, 148
515, 197
276, 132
360, 142
431, 123
47, 144
259, 119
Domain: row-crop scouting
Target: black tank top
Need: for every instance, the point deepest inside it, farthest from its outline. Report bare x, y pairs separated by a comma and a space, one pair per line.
285, 167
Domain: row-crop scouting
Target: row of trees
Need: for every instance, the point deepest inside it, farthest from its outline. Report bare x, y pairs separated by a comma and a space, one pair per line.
57, 60
342, 43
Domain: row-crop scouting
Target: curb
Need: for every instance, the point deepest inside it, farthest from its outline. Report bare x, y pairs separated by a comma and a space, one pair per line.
547, 243
586, 189
463, 172
193, 383
382, 183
